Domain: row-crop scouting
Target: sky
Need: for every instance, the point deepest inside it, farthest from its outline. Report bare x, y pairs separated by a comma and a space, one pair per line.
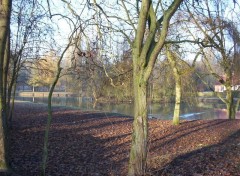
63, 28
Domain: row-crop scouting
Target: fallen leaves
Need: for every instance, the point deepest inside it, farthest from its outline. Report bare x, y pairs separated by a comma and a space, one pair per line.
94, 143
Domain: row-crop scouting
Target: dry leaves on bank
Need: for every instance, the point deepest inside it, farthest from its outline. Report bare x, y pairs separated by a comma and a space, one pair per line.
95, 143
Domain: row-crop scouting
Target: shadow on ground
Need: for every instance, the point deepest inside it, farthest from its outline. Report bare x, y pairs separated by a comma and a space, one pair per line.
97, 144
222, 158
79, 143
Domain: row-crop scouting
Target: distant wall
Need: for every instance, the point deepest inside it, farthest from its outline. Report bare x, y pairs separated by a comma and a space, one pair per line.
236, 94
206, 94
45, 94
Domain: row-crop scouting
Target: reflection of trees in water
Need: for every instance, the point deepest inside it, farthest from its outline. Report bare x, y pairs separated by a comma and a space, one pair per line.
163, 111
72, 101
123, 108
222, 113
220, 106
211, 105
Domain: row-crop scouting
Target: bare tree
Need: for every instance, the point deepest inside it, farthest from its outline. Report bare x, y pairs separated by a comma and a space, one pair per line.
28, 35
149, 23
49, 120
75, 32
221, 33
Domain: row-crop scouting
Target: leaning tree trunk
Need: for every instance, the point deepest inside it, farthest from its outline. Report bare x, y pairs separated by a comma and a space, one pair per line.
49, 121
138, 153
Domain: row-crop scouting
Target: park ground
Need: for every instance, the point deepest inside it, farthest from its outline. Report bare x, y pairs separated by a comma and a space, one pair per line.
98, 144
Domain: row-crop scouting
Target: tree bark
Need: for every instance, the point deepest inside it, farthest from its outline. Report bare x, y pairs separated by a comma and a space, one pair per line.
12, 86
145, 51
49, 120
176, 115
12, 89
229, 94
5, 79
5, 12
11, 109
230, 103
5, 75
138, 152
173, 64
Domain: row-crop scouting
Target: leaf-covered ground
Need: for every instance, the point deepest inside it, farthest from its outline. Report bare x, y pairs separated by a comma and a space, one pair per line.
94, 143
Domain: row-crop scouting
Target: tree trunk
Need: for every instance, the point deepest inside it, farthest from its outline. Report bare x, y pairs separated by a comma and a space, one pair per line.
49, 121
138, 153
5, 12
145, 51
229, 94
13, 103
173, 64
176, 115
11, 86
5, 75
230, 103
3, 134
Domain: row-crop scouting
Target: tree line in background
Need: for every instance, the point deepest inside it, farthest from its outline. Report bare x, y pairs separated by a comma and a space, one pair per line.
86, 76
152, 50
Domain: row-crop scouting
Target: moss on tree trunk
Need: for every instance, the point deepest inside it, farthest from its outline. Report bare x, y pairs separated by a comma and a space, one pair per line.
138, 153
230, 103
145, 51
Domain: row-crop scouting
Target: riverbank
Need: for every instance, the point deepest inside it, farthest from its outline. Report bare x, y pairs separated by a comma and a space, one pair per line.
96, 143
45, 94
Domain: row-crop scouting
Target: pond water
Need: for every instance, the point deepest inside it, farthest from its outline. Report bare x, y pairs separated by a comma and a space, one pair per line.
155, 110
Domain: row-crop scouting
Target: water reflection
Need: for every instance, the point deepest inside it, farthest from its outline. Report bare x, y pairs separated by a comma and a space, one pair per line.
155, 110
